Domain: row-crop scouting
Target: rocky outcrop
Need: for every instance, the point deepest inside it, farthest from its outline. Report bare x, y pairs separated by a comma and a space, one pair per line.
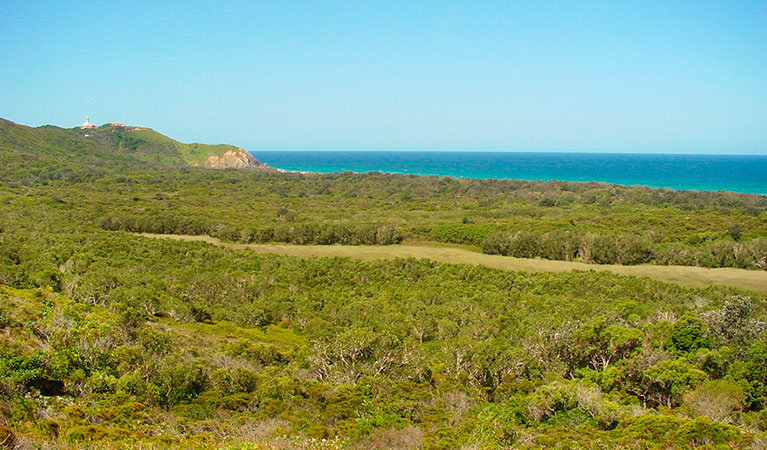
233, 159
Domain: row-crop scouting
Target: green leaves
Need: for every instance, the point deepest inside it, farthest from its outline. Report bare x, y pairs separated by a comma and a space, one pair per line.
688, 334
671, 379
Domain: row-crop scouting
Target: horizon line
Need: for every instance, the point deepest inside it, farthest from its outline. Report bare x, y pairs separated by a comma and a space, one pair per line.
582, 152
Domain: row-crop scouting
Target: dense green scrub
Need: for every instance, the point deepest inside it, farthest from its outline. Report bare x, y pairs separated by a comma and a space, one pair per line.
108, 339
590, 222
112, 339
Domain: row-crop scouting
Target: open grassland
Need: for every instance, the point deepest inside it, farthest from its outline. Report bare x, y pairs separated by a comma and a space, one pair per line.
683, 275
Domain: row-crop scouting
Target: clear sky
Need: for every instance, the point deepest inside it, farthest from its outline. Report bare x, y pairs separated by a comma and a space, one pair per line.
613, 76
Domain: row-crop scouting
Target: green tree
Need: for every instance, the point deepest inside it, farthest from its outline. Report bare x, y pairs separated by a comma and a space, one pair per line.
671, 379
688, 334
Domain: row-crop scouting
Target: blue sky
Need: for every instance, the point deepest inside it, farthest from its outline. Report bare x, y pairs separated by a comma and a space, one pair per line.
646, 76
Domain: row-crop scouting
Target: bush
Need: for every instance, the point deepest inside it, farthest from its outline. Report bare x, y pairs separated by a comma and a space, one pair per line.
462, 233
701, 431
688, 334
621, 249
716, 400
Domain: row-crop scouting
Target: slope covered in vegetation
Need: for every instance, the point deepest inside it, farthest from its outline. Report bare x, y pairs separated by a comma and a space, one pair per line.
50, 152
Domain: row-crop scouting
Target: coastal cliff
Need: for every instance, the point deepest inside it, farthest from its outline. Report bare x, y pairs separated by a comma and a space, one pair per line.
233, 159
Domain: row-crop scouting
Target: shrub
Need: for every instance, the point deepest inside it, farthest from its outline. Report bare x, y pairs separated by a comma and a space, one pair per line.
701, 431
671, 379
688, 334
716, 399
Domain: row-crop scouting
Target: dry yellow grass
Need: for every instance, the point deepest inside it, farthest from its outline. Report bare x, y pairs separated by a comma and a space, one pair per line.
752, 280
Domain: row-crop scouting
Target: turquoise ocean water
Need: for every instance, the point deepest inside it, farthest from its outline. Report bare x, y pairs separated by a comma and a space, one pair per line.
739, 173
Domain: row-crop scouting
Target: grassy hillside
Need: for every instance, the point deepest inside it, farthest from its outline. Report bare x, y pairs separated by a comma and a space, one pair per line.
51, 153
148, 145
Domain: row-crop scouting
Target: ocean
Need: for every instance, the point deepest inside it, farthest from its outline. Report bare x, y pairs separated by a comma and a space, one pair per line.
739, 173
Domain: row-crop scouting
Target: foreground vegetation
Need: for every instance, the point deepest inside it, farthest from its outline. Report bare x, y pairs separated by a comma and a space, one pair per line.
113, 340
229, 346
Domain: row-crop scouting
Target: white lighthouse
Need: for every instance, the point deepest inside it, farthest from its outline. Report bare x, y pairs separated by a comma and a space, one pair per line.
87, 123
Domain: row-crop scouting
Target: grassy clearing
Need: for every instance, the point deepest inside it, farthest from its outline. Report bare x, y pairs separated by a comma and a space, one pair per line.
697, 277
